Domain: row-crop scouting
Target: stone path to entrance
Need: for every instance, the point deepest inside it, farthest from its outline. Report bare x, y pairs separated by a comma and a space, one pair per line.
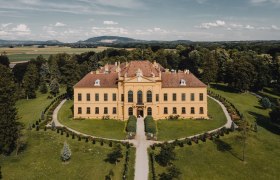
142, 158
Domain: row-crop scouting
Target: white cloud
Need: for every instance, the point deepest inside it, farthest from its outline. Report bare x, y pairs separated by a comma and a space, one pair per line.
110, 23
259, 2
21, 30
274, 27
59, 24
249, 27
208, 25
109, 31
6, 25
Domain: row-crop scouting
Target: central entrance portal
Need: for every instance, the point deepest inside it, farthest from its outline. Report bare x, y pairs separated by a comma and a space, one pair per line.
140, 112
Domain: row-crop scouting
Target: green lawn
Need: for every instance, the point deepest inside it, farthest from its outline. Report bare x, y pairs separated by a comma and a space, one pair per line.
41, 159
175, 129
114, 129
222, 159
30, 110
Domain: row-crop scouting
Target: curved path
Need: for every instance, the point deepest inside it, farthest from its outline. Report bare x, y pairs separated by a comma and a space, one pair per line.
140, 142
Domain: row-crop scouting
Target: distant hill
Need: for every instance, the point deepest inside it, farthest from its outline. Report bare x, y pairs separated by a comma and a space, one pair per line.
109, 40
29, 42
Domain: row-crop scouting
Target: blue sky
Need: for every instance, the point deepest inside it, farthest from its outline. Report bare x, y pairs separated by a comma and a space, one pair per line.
197, 20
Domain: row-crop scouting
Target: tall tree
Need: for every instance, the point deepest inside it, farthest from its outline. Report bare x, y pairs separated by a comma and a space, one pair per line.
54, 87
9, 126
4, 60
30, 81
209, 67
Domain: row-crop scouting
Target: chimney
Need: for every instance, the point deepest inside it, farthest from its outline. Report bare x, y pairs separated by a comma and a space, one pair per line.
116, 63
97, 72
126, 63
106, 68
166, 70
91, 72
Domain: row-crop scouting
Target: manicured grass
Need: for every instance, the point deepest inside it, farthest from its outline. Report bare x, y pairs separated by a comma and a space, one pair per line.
210, 161
175, 129
41, 159
114, 129
30, 110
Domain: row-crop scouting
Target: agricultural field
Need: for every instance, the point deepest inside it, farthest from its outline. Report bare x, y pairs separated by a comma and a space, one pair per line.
175, 129
26, 53
223, 158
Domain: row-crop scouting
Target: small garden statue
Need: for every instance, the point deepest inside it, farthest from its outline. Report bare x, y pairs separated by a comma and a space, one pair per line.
65, 152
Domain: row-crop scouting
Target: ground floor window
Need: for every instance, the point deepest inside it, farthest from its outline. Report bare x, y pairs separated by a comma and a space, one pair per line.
88, 110
97, 110
79, 110
192, 110
149, 111
165, 110
105, 110
174, 110
114, 110
130, 111
183, 110
201, 110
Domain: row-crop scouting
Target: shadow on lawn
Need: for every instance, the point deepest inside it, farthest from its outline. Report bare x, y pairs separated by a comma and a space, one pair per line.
224, 88
264, 122
223, 146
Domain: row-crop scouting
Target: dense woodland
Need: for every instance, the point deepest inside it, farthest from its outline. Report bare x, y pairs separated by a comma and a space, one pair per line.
241, 68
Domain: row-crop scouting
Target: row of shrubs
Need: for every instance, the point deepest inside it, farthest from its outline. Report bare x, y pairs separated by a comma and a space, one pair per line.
47, 113
196, 139
126, 163
73, 135
150, 125
235, 114
152, 160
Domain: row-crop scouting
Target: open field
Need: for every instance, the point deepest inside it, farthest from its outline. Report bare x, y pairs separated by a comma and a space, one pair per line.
222, 159
26, 53
96, 127
40, 158
175, 129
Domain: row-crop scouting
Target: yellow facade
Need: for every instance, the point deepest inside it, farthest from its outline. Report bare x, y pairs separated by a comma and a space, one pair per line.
86, 104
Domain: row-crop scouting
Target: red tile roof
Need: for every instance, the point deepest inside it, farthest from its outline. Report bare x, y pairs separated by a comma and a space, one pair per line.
109, 79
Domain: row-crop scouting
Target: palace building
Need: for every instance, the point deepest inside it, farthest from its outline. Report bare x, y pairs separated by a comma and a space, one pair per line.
139, 88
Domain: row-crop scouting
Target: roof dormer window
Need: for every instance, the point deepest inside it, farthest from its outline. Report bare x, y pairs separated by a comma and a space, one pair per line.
97, 82
182, 82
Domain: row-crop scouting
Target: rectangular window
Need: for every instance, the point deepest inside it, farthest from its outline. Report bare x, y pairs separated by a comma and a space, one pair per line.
105, 97
105, 110
183, 110
88, 110
97, 110
157, 97
165, 110
114, 110
79, 110
114, 96
192, 96
192, 110
88, 97
165, 97
174, 110
96, 97
183, 96
122, 97
201, 110
79, 97
174, 97
201, 96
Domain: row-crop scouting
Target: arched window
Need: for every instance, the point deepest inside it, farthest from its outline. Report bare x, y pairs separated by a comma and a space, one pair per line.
130, 111
130, 96
149, 96
139, 97
149, 111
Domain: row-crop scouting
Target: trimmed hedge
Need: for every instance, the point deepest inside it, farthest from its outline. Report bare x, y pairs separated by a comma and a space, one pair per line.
150, 125
131, 124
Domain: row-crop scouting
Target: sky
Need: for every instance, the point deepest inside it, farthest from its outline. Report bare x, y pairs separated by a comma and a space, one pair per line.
196, 20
